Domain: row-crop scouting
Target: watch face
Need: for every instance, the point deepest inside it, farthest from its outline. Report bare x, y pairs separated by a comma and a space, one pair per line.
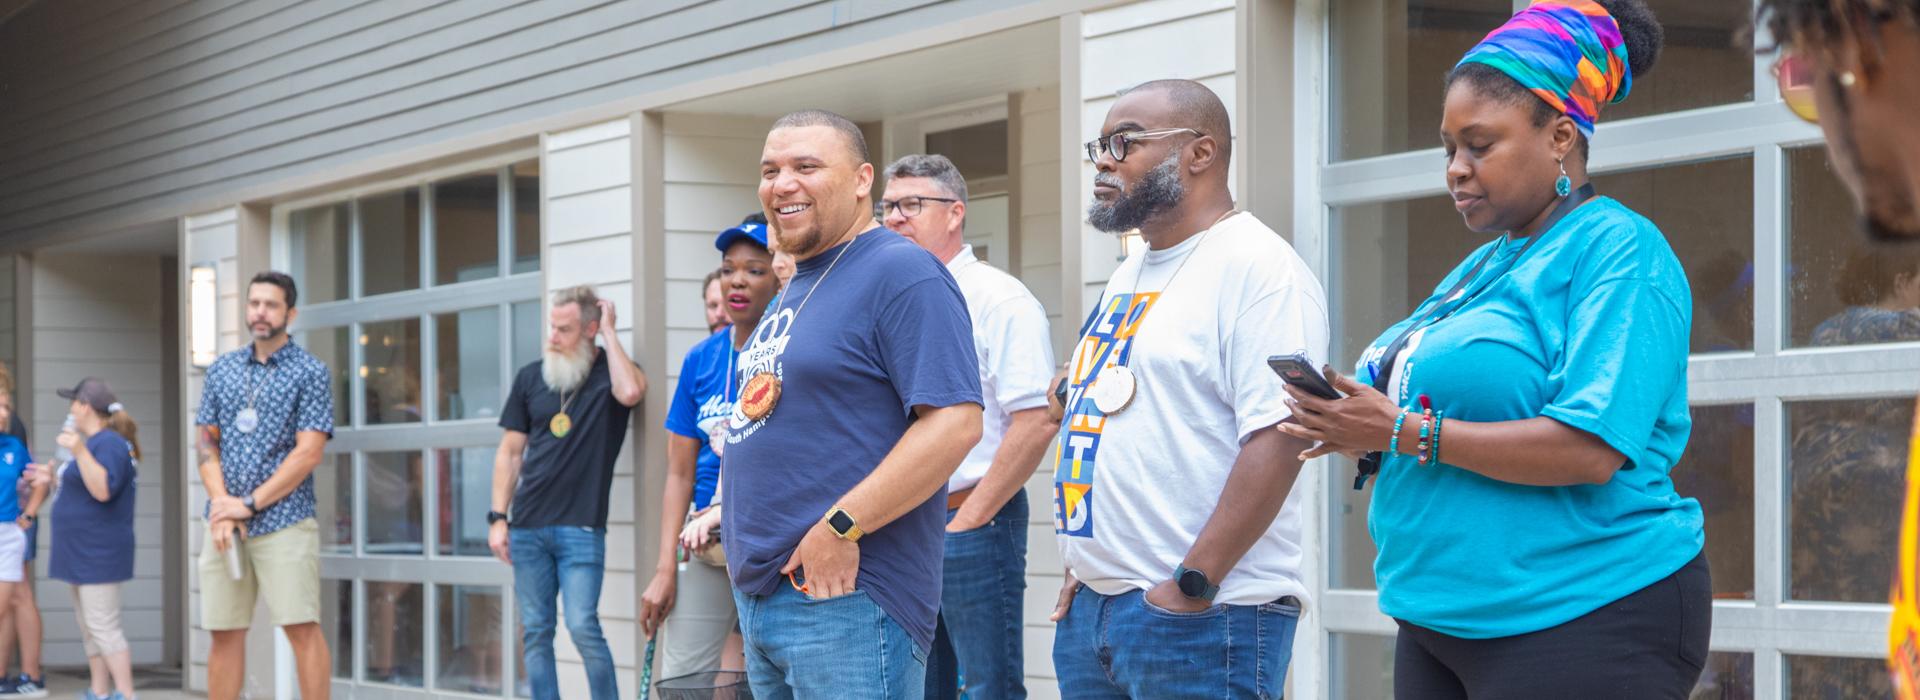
840, 522
1193, 583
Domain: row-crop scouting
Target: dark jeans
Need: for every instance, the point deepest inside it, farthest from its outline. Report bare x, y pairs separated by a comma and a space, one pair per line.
568, 562
1124, 647
982, 587
1648, 645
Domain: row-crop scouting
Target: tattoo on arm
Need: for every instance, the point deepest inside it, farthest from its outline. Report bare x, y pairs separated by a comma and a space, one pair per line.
209, 442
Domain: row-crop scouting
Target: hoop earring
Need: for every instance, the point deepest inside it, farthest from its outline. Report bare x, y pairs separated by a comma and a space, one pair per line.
1563, 186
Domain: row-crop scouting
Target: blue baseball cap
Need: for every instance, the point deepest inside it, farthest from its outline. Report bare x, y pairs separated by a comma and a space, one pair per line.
750, 230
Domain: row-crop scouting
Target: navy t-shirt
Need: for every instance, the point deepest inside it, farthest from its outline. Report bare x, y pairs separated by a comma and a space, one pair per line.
93, 540
887, 330
566, 480
700, 406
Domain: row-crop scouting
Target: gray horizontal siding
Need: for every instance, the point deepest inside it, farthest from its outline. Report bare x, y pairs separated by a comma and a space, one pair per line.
112, 108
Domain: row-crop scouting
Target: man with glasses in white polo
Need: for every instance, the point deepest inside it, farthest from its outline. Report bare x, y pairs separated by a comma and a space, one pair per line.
986, 545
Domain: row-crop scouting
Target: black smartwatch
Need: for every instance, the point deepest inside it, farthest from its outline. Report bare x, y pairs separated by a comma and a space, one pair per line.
247, 501
494, 516
1194, 583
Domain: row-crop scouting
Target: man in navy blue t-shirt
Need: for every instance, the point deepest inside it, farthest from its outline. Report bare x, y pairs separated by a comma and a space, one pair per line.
859, 396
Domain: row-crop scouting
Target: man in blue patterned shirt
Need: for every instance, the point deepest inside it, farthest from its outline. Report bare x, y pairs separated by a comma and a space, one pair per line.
265, 415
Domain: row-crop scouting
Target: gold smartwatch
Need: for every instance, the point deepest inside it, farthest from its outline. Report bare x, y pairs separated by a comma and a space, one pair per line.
841, 523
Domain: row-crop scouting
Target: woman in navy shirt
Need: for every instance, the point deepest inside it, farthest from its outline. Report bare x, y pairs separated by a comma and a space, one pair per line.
93, 529
698, 636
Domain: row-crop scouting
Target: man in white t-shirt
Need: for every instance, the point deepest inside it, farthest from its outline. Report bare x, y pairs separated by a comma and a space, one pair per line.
1173, 496
986, 549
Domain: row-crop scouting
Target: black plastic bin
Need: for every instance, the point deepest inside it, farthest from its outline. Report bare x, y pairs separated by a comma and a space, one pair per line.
706, 685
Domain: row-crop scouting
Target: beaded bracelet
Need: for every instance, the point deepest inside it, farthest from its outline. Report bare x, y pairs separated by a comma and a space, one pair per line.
1426, 432
1393, 446
1438, 419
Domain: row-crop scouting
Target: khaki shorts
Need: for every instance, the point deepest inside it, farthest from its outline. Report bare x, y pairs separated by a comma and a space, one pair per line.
283, 567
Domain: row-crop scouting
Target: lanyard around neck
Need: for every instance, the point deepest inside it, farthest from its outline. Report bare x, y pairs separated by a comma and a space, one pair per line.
1451, 302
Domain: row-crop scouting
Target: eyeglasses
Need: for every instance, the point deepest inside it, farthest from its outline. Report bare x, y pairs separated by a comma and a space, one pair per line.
1116, 145
1796, 86
909, 206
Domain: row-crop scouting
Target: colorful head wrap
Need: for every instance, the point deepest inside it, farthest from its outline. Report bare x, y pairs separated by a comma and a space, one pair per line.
1569, 52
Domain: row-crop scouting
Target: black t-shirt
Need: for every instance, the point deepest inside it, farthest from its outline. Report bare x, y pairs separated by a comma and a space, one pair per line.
565, 481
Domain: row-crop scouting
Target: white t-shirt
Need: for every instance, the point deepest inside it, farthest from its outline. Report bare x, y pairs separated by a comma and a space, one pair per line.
1010, 336
1133, 490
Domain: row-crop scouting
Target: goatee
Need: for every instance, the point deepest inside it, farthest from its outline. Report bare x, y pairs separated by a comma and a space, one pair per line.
566, 370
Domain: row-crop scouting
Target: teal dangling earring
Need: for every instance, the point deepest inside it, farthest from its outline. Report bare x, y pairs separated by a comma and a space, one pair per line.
1564, 185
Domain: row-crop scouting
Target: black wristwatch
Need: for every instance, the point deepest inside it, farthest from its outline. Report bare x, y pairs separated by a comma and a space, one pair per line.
494, 516
247, 501
1194, 583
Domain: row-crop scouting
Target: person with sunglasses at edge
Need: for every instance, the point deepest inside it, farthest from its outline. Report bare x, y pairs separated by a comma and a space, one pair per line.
1174, 502
1848, 65
1527, 414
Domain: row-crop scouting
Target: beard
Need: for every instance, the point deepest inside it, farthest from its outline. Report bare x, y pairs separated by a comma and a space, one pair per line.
1158, 192
271, 332
566, 370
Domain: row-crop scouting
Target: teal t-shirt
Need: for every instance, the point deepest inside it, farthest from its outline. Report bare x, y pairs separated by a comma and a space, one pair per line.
1590, 328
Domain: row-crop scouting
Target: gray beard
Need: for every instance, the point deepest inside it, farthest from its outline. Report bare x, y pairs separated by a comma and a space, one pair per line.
1158, 192
566, 371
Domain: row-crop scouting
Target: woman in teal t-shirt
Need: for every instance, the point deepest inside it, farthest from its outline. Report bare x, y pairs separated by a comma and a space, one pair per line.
1530, 541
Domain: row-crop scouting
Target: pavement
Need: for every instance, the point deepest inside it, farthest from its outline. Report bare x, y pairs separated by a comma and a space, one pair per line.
150, 683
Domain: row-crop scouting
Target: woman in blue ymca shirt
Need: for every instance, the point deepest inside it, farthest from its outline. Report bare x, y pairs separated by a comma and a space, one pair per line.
1535, 547
697, 421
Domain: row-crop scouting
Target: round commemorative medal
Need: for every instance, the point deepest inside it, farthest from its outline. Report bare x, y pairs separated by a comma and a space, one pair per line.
560, 425
1113, 390
760, 394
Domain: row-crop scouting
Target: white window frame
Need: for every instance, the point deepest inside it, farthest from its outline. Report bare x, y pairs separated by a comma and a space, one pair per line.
357, 438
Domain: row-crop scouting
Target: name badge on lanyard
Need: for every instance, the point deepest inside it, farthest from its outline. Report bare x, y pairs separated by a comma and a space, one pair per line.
247, 421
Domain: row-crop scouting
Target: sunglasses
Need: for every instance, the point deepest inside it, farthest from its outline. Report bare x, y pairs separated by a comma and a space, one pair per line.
1796, 78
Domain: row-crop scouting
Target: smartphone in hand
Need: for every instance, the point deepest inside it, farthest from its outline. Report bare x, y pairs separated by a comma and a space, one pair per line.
1298, 371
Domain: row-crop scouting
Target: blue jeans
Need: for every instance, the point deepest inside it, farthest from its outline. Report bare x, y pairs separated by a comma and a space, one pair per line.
1123, 647
982, 587
798, 648
567, 562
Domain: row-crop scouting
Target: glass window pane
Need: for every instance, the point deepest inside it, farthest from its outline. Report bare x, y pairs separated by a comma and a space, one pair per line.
1832, 677
1847, 465
468, 364
1352, 546
1843, 290
1362, 665
331, 346
526, 217
1390, 58
394, 486
1391, 255
1727, 676
1717, 469
318, 247
466, 494
1706, 211
396, 644
528, 329
466, 229
391, 351
390, 242
469, 636
336, 622
333, 493
979, 151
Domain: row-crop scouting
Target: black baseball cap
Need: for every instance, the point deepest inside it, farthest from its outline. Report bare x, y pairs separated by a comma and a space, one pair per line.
93, 392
